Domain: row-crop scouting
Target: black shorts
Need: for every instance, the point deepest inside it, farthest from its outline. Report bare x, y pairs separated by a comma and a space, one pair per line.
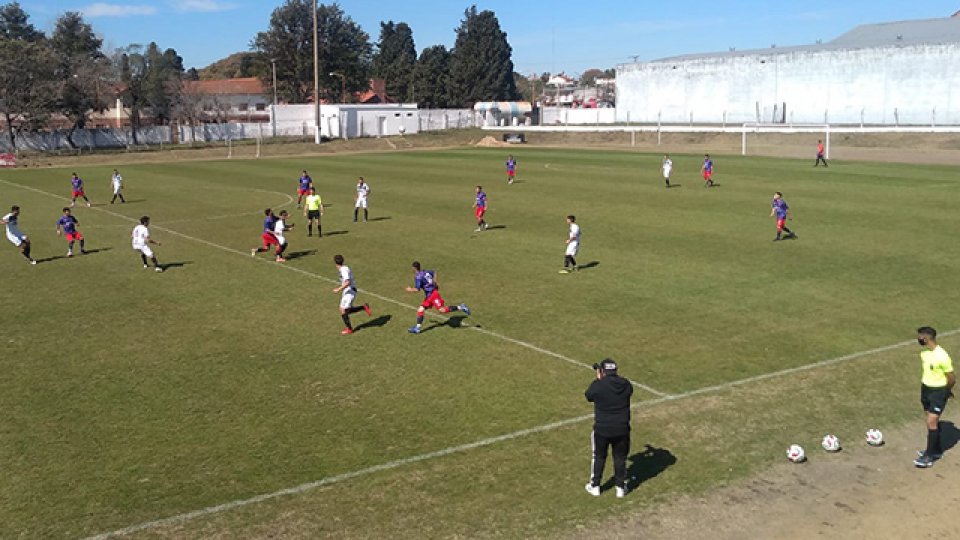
934, 400
313, 214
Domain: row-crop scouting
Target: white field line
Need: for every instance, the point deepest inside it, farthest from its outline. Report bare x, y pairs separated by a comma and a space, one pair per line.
302, 488
491, 333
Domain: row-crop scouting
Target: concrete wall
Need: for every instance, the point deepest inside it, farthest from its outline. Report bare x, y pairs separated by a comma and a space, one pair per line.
346, 120
888, 85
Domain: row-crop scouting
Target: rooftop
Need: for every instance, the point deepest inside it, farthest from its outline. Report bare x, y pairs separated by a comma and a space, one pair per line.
241, 86
898, 33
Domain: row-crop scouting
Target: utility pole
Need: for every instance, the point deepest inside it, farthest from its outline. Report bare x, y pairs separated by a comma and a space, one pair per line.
273, 62
316, 77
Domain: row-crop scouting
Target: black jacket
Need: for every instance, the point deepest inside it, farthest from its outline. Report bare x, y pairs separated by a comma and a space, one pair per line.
611, 405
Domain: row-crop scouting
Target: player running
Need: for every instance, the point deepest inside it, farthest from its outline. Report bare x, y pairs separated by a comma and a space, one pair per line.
348, 292
303, 187
15, 236
426, 281
141, 242
820, 155
313, 211
573, 246
363, 191
117, 183
67, 225
480, 208
279, 227
511, 169
76, 184
269, 239
707, 170
782, 210
667, 168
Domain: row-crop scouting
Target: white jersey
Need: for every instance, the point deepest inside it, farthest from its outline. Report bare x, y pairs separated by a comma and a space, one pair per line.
574, 233
13, 231
140, 235
345, 276
117, 182
667, 167
279, 227
362, 191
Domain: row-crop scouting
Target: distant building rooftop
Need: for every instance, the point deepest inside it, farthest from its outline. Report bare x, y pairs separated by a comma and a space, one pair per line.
917, 32
241, 86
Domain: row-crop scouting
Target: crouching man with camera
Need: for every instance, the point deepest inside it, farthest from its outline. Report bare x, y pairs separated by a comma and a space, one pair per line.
610, 395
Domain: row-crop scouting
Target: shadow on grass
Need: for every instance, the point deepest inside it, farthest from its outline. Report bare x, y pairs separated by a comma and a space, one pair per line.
129, 201
178, 264
949, 435
381, 218
589, 265
50, 259
671, 186
374, 323
334, 233
455, 321
494, 227
298, 254
647, 465
98, 250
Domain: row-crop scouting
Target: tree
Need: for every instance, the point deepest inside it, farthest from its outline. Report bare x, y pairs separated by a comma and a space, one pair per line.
82, 71
14, 24
27, 88
241, 64
150, 80
590, 76
431, 78
395, 59
343, 48
480, 64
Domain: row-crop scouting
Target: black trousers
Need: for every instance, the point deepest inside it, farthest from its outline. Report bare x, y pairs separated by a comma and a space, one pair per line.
621, 447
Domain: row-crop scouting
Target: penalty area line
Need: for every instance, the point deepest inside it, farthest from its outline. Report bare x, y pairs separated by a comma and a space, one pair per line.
442, 317
303, 488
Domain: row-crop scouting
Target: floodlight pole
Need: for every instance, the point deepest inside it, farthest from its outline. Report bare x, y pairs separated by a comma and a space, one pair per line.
316, 77
273, 62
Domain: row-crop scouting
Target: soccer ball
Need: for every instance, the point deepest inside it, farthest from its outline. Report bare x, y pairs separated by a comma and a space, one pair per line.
830, 443
796, 454
874, 437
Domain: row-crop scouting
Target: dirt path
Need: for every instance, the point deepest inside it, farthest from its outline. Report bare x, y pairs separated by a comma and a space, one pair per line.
861, 492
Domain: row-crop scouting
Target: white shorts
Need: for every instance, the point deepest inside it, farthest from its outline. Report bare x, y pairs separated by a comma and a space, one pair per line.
116, 191
346, 300
16, 237
281, 239
666, 173
361, 203
145, 250
572, 248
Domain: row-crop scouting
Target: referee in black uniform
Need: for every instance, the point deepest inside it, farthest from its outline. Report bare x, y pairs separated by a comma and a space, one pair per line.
610, 395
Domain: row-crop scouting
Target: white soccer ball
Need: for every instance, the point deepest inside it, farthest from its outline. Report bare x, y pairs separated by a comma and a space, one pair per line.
830, 443
874, 437
796, 454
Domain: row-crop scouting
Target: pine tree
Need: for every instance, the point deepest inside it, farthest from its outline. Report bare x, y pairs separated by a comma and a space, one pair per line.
431, 78
480, 64
395, 59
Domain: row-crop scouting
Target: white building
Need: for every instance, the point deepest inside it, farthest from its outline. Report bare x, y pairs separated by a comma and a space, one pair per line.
345, 120
893, 73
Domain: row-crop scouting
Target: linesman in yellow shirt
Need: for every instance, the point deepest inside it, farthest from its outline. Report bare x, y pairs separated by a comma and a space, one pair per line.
313, 209
936, 385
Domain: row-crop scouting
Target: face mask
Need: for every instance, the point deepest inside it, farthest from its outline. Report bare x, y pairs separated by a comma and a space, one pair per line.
922, 341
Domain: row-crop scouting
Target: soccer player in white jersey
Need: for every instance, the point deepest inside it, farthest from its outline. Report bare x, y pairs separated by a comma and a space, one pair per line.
15, 235
573, 246
667, 168
141, 242
348, 292
116, 181
280, 226
363, 191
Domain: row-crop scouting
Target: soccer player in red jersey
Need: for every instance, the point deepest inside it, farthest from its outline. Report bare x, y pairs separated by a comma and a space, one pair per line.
707, 169
480, 208
426, 281
820, 155
76, 185
303, 186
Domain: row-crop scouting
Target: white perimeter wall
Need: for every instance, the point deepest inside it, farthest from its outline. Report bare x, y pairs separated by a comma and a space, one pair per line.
888, 85
351, 121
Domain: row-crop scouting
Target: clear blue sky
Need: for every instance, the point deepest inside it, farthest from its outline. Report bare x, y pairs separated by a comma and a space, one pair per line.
546, 35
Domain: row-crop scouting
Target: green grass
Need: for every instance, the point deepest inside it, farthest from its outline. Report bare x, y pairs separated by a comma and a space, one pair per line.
130, 396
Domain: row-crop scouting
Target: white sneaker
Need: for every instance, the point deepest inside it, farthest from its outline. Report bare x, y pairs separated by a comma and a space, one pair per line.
145, 267
158, 269
621, 492
69, 253
478, 229
253, 252
592, 489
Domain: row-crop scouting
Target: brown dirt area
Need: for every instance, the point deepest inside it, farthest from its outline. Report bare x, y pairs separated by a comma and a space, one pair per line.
901, 148
860, 492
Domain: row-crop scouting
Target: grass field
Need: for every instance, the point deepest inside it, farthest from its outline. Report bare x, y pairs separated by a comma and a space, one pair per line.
130, 396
